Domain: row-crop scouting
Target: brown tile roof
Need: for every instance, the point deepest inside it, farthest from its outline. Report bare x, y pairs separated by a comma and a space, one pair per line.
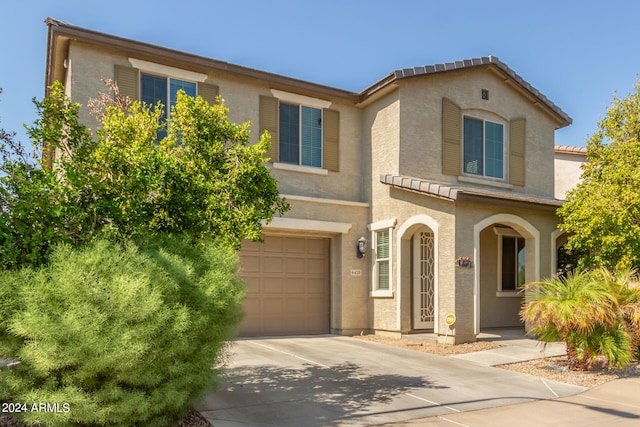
454, 192
568, 149
486, 61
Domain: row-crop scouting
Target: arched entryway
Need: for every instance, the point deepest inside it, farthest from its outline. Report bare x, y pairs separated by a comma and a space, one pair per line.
418, 273
507, 255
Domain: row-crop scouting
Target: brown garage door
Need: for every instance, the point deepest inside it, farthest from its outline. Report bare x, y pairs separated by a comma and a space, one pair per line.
287, 286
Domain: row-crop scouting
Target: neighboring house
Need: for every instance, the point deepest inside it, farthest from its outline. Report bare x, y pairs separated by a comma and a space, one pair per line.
446, 172
568, 163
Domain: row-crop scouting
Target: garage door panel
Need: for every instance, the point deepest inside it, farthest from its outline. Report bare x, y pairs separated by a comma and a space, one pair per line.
316, 287
317, 246
295, 265
296, 306
288, 293
316, 266
295, 245
272, 244
253, 285
250, 264
271, 264
272, 306
272, 286
296, 285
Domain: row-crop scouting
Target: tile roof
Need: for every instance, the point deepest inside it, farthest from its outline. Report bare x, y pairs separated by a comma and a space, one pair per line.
466, 64
568, 149
454, 192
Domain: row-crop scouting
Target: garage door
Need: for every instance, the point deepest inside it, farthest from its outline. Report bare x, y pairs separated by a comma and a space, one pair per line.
287, 286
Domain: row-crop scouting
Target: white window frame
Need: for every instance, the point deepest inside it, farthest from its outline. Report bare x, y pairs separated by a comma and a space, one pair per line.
503, 232
386, 225
484, 118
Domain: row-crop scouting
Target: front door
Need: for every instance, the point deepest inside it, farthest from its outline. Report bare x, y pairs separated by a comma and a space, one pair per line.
423, 280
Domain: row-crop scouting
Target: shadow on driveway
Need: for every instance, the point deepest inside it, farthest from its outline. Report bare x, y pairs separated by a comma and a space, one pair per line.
310, 395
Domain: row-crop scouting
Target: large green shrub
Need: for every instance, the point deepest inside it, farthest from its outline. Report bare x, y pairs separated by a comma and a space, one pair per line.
122, 335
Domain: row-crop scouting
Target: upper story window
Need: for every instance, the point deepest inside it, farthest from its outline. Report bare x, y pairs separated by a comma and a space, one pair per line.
154, 89
489, 146
164, 89
300, 139
483, 150
305, 132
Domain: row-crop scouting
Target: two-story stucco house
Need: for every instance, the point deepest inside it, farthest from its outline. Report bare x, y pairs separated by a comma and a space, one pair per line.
428, 193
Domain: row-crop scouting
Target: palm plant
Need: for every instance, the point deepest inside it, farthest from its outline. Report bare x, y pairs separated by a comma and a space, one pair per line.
586, 310
625, 285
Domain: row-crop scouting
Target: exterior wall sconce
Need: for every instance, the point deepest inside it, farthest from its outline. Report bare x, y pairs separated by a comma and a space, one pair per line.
362, 247
464, 261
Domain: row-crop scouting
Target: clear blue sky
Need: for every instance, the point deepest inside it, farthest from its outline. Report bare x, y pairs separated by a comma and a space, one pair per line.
577, 53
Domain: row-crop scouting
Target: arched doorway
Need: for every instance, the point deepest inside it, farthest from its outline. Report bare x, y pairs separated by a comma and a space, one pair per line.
507, 255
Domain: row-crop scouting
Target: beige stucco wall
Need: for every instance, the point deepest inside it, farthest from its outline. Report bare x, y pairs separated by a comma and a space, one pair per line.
420, 153
242, 98
335, 197
567, 172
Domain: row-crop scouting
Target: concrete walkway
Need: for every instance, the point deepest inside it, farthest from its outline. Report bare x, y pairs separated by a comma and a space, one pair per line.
335, 381
517, 348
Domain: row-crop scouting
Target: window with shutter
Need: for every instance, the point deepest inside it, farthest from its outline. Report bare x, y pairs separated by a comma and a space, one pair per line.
304, 135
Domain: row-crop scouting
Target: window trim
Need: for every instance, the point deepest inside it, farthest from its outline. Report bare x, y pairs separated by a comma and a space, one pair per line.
295, 98
167, 71
386, 225
505, 145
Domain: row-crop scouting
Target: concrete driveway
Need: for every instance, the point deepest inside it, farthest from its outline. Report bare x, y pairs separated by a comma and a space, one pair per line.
335, 380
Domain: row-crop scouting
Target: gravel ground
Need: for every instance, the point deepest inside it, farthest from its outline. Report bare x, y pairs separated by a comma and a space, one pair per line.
431, 347
552, 368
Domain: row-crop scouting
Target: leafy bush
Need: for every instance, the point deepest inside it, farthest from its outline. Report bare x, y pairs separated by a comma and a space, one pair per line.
204, 178
122, 335
596, 313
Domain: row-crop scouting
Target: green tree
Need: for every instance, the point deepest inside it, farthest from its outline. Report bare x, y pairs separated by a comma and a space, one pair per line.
124, 335
603, 212
596, 313
204, 177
